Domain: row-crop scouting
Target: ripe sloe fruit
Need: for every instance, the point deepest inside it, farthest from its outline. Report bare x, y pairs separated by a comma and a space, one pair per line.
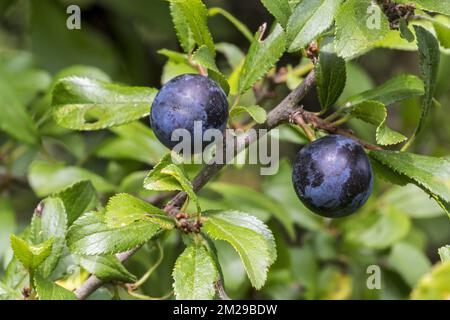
183, 100
332, 176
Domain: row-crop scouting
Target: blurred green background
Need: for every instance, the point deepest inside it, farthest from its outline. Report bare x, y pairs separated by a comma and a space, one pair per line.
400, 229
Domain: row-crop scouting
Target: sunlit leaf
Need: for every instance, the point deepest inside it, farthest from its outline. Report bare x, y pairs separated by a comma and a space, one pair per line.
87, 104
194, 274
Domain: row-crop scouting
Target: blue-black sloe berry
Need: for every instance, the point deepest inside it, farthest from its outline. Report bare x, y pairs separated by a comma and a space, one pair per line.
184, 100
332, 176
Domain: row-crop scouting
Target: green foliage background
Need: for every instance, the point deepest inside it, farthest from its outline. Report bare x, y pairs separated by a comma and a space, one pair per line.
400, 229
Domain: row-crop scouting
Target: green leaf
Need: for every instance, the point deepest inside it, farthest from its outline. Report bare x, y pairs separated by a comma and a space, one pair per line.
396, 89
31, 256
411, 200
353, 35
388, 175
370, 111
444, 253
134, 141
405, 32
386, 136
124, 209
196, 16
435, 285
441, 6
261, 56
238, 24
429, 173
158, 181
90, 235
79, 198
232, 53
358, 80
87, 104
179, 174
393, 90
309, 19
106, 268
16, 276
386, 229
15, 119
441, 25
18, 71
280, 9
47, 178
235, 78
290, 133
184, 34
261, 205
375, 113
82, 71
429, 55
195, 274
330, 78
167, 176
204, 57
220, 79
7, 225
294, 3
20, 83
174, 56
48, 290
256, 112
393, 40
409, 262
50, 222
7, 293
250, 238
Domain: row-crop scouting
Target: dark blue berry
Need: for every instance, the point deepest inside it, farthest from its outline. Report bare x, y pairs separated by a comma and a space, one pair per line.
332, 176
183, 100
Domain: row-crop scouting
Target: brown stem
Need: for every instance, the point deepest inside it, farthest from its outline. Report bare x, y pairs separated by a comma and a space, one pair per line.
221, 291
298, 119
302, 116
202, 70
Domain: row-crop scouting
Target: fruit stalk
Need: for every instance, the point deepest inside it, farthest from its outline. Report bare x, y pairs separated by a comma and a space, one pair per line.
319, 123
